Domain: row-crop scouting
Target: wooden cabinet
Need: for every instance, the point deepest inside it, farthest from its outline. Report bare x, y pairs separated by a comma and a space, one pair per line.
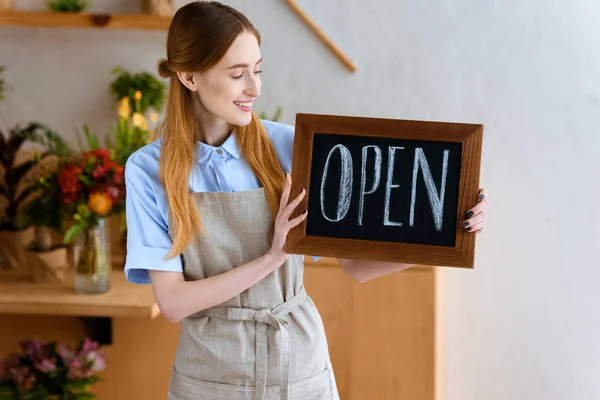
384, 335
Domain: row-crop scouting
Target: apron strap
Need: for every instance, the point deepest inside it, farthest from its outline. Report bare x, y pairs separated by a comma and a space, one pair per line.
265, 318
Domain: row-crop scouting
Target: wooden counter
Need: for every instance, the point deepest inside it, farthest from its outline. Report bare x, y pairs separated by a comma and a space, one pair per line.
123, 300
385, 336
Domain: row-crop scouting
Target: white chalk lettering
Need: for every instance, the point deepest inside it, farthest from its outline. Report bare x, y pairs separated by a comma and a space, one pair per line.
436, 201
389, 186
363, 177
345, 183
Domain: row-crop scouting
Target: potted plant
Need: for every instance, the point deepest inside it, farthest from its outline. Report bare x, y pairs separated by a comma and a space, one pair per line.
15, 191
73, 6
91, 188
51, 371
126, 84
47, 257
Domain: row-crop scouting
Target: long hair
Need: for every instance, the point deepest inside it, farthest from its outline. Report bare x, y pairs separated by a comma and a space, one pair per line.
199, 36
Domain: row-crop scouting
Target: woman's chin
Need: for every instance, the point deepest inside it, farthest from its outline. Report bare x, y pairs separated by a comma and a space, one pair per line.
242, 120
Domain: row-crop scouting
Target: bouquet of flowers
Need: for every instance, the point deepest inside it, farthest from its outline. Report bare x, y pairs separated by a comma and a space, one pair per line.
91, 187
51, 371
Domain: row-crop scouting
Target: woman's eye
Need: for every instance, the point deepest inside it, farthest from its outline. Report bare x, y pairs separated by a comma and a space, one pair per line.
238, 77
257, 72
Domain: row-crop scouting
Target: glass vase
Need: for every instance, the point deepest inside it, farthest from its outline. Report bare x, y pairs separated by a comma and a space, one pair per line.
92, 274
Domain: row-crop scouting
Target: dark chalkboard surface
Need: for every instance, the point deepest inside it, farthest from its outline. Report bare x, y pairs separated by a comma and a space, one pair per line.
384, 189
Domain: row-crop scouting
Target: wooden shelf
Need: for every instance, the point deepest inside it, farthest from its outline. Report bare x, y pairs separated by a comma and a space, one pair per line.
123, 300
82, 20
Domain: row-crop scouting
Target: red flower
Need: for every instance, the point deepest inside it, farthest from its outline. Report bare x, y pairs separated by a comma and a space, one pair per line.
98, 154
68, 182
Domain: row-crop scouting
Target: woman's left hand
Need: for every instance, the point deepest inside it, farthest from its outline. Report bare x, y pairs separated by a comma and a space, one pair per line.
475, 218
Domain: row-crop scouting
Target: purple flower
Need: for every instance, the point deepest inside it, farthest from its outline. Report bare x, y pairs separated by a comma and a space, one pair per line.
33, 349
97, 361
66, 354
76, 370
88, 345
46, 365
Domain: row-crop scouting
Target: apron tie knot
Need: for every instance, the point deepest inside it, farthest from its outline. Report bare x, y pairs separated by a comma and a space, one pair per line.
264, 318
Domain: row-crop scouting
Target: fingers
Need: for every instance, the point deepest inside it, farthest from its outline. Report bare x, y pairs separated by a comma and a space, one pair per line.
292, 206
479, 208
483, 194
286, 192
471, 222
296, 221
476, 227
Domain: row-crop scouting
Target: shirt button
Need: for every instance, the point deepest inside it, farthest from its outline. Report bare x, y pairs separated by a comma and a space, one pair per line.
219, 151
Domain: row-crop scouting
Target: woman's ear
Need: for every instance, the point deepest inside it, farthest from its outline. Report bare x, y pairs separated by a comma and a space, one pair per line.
189, 80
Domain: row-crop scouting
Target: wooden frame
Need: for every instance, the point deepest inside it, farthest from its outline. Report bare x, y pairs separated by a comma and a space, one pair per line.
469, 135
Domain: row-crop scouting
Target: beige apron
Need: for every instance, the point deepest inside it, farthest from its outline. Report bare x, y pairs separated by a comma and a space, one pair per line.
266, 343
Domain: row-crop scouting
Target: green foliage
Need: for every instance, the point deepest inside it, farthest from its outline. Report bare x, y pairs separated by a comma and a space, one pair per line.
67, 5
275, 118
92, 141
126, 84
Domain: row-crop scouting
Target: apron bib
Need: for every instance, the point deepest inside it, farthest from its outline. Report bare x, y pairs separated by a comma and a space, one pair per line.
268, 342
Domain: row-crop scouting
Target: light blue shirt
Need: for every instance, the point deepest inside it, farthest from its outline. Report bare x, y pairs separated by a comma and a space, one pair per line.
218, 169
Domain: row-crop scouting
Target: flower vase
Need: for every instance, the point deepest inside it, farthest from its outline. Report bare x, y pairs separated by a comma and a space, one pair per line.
92, 274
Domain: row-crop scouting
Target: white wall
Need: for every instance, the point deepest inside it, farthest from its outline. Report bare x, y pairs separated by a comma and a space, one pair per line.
523, 324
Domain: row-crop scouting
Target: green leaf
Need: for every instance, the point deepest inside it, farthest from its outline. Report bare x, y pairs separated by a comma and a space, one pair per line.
73, 232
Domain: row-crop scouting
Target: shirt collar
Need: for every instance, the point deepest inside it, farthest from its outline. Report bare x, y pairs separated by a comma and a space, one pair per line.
206, 152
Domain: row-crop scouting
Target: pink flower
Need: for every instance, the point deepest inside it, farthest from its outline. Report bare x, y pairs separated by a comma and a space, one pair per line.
88, 345
76, 370
33, 349
99, 172
97, 361
113, 192
46, 365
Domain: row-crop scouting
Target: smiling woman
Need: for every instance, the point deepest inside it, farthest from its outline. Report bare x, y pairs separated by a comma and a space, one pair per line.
208, 213
214, 257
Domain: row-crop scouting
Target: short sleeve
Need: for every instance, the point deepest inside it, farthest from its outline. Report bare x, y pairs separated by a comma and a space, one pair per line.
148, 240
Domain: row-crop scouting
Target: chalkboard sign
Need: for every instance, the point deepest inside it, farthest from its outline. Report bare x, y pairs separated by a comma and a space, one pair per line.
383, 189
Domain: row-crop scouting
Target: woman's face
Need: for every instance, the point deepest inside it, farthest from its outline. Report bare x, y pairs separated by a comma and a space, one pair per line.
228, 89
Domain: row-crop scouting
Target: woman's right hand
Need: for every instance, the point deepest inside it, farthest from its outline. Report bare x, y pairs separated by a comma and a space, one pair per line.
283, 224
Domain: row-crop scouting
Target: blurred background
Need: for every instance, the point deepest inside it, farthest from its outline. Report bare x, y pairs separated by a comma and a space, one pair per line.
520, 325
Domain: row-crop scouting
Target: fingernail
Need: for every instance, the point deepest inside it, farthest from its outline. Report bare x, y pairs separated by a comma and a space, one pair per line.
469, 214
302, 190
304, 211
468, 229
481, 196
465, 224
